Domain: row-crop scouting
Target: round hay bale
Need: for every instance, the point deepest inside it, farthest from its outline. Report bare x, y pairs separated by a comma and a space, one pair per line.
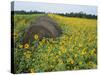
44, 26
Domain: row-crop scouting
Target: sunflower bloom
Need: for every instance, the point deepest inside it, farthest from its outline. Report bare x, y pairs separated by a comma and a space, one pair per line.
43, 40
72, 61
26, 46
63, 49
27, 54
15, 35
32, 70
36, 37
80, 62
76, 55
84, 51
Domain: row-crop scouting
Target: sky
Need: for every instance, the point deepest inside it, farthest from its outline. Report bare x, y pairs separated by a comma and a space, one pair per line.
54, 8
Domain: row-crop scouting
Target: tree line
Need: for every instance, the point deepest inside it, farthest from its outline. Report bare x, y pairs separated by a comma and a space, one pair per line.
72, 14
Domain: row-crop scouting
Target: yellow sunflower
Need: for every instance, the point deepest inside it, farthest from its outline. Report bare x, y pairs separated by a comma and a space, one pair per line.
36, 37
72, 61
32, 70
26, 46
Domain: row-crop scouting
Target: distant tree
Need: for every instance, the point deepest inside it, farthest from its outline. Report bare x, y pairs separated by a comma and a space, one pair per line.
72, 14
80, 15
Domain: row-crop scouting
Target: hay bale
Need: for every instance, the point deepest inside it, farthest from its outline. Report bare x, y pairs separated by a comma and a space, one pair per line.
44, 26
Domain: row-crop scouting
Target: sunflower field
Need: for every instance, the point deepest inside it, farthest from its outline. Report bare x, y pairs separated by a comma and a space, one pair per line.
75, 49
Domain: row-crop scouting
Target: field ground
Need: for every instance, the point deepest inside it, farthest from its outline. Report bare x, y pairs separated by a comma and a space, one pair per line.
75, 49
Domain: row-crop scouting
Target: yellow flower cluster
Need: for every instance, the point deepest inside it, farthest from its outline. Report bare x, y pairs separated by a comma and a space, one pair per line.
63, 49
